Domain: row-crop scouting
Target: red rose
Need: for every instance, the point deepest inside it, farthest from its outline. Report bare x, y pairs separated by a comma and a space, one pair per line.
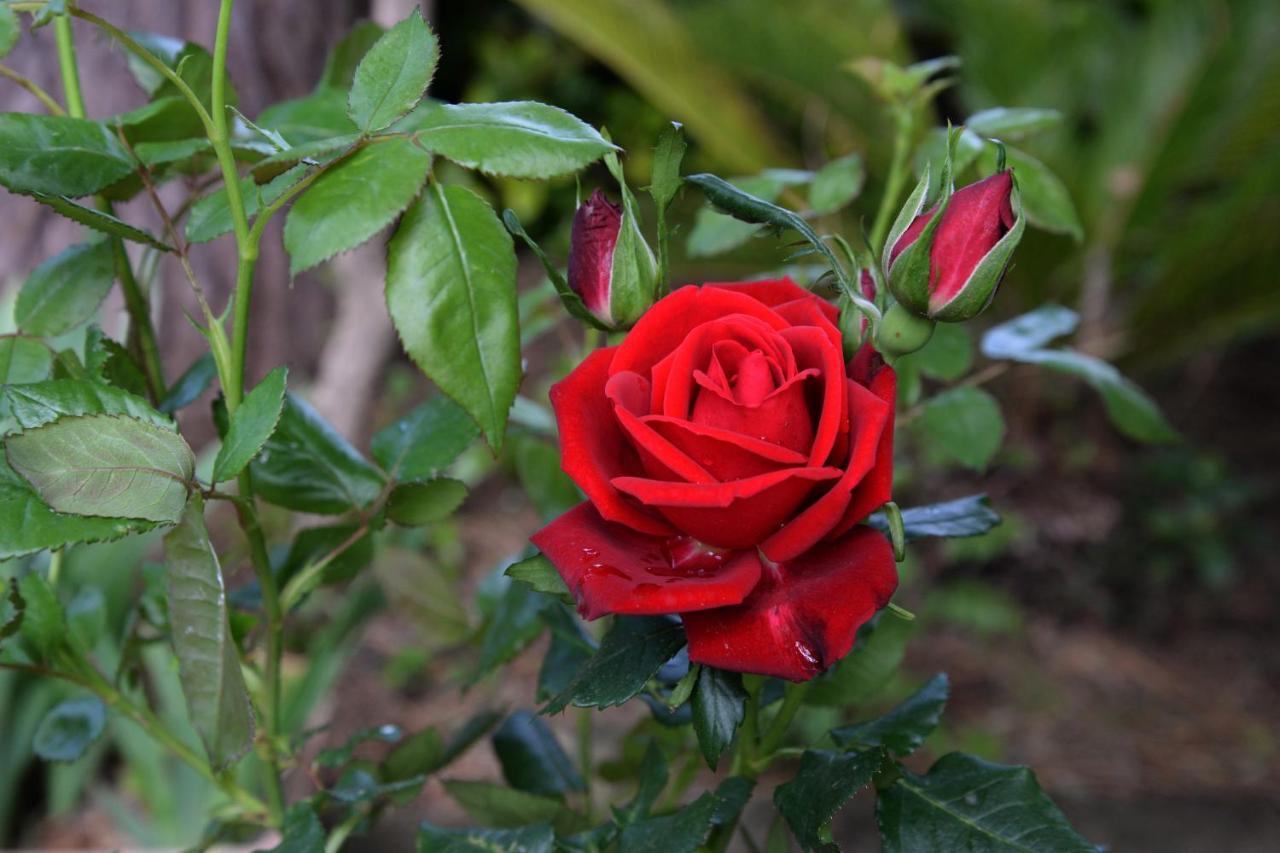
728, 453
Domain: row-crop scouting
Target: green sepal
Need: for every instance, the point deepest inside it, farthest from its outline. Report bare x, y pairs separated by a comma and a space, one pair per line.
572, 301
634, 277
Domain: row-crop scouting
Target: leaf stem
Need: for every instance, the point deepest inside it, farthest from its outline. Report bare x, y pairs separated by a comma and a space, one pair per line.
791, 704
30, 85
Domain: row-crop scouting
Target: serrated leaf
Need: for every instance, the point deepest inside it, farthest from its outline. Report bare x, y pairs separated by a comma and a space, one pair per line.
451, 294
963, 425
517, 139
66, 290
967, 803
193, 382
530, 839
105, 465
967, 516
425, 442
1013, 123
208, 663
532, 759
394, 74
681, 831
904, 728
38, 403
664, 178
569, 651
824, 783
210, 217
862, 673
352, 201
719, 702
494, 805
538, 572
251, 426
837, 184
59, 155
306, 465
102, 222
629, 655
23, 359
44, 622
320, 115
70, 728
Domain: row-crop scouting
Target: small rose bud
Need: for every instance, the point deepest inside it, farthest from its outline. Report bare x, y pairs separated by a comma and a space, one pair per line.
611, 268
967, 251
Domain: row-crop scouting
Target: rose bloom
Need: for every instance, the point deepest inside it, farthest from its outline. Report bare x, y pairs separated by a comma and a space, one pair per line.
728, 454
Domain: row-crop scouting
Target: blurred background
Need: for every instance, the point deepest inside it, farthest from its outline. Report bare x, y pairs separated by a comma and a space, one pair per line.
1116, 633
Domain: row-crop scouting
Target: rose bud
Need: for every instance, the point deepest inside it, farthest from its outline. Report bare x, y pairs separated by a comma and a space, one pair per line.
948, 267
610, 266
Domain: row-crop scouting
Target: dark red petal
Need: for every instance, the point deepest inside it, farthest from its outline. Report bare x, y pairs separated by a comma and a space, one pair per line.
815, 351
726, 455
594, 236
673, 388
870, 416
811, 312
665, 326
782, 418
876, 488
662, 459
973, 223
778, 292
911, 234
593, 448
803, 615
736, 514
613, 569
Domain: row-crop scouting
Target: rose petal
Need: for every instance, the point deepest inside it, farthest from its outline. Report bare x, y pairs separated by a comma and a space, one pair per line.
779, 292
812, 312
726, 455
876, 488
803, 616
673, 389
783, 418
736, 514
613, 569
661, 459
593, 447
814, 350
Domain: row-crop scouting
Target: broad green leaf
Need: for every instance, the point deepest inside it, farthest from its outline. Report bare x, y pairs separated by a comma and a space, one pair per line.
904, 728
421, 503
66, 290
106, 465
302, 831
211, 216
320, 115
420, 753
652, 780
1013, 123
837, 184
59, 155
193, 382
99, 221
1045, 198
876, 654
963, 425
569, 651
530, 839
719, 702
824, 783
537, 572
23, 359
352, 201
9, 30
251, 426
532, 759
394, 74
421, 590
682, 831
340, 66
516, 622
966, 803
664, 178
107, 360
518, 139
630, 653
1030, 331
70, 728
546, 485
496, 805
425, 442
44, 622
733, 795
968, 516
39, 403
947, 356
306, 465
208, 663
451, 294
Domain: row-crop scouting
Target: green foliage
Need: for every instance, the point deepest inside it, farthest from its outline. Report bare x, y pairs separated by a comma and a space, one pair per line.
629, 655
837, 184
968, 516
59, 155
10, 30
825, 781
903, 729
66, 290
302, 831
532, 759
495, 805
963, 425
682, 831
423, 503
876, 654
530, 839
44, 622
250, 426
718, 706
211, 216
35, 404
101, 221
423, 443
394, 74
69, 729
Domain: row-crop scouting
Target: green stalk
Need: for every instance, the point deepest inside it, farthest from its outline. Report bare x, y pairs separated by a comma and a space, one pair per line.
134, 299
41, 95
791, 704
897, 178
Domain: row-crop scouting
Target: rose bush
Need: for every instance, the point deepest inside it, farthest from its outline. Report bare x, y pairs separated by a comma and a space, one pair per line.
728, 453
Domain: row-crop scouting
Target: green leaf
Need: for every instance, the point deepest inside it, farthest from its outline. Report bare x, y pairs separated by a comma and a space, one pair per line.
38, 403
194, 381
352, 201
358, 785
69, 729
66, 290
966, 803
211, 216
631, 652
44, 622
320, 115
424, 593
1006, 123
715, 233
514, 624
538, 572
546, 485
1045, 198
394, 74
530, 839
420, 753
876, 655
947, 356
422, 503
903, 729
518, 139
733, 794
208, 663
963, 425
251, 426
569, 651
105, 465
340, 66
59, 155
451, 294
190, 61
664, 178
425, 442
653, 776
837, 184
532, 759
337, 756
495, 805
306, 465
9, 30
681, 831
100, 221
11, 609
23, 359
302, 831
824, 783
967, 516
1030, 331
719, 702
